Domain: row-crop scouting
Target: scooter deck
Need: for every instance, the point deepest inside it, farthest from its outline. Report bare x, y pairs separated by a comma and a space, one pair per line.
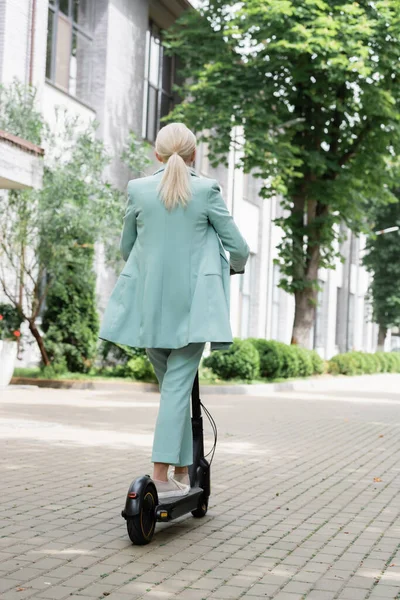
176, 507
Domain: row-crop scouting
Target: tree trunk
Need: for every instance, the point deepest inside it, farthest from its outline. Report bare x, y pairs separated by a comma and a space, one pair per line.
35, 332
381, 337
304, 316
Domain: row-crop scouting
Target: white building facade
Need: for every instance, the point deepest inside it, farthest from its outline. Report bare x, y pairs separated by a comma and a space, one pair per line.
103, 60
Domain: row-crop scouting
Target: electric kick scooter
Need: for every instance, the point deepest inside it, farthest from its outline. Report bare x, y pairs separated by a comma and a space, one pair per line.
143, 509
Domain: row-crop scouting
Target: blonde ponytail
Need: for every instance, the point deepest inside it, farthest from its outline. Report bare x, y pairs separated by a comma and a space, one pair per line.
175, 145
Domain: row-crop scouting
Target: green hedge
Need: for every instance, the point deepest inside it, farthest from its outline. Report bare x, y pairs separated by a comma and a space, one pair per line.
360, 363
241, 361
268, 358
280, 361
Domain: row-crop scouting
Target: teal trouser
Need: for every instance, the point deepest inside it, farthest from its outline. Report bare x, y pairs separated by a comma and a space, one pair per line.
175, 370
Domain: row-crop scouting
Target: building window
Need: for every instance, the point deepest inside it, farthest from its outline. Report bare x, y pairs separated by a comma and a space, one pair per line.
159, 78
69, 46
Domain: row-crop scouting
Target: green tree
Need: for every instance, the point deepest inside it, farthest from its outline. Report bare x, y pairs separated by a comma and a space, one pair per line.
42, 230
136, 155
70, 320
382, 259
19, 114
314, 87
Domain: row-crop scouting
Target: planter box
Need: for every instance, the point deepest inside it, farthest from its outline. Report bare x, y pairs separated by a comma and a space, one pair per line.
8, 355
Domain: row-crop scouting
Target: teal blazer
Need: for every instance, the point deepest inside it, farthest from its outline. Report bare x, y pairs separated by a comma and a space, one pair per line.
174, 288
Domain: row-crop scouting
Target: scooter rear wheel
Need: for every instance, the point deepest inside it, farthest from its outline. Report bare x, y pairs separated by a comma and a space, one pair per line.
201, 509
141, 526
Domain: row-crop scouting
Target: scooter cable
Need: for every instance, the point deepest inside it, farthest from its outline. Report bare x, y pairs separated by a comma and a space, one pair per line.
214, 429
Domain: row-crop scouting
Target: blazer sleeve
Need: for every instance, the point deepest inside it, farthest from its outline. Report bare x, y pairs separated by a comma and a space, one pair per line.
223, 223
129, 230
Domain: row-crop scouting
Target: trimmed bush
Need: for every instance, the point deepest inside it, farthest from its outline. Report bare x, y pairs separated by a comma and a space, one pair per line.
393, 359
123, 361
241, 361
272, 358
306, 368
291, 366
396, 360
342, 364
317, 362
382, 361
278, 360
370, 363
360, 363
140, 368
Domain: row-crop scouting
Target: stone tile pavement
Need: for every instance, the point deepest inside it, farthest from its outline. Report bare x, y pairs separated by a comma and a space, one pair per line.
305, 501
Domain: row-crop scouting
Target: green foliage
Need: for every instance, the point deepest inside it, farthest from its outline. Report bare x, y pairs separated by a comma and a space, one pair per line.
383, 363
136, 154
124, 361
291, 365
393, 362
314, 88
306, 367
278, 360
18, 113
140, 368
70, 321
343, 364
271, 357
10, 322
359, 363
55, 369
41, 231
382, 259
317, 362
241, 361
207, 375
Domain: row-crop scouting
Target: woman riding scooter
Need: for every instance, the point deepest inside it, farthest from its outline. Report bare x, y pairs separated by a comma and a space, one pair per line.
173, 293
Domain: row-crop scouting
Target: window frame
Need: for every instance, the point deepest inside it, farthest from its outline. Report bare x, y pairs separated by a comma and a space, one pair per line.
76, 29
154, 32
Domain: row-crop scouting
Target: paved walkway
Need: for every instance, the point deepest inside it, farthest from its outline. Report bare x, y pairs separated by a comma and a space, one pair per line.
305, 501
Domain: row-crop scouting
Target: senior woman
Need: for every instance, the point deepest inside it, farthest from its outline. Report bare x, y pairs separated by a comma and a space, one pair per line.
173, 293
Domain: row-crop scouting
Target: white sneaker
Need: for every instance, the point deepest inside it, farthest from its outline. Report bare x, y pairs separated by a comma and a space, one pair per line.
182, 478
171, 489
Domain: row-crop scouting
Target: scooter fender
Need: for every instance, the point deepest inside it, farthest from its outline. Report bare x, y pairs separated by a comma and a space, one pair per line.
135, 495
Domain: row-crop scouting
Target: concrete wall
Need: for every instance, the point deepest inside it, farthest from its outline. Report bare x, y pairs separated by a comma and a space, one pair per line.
16, 46
123, 101
18, 168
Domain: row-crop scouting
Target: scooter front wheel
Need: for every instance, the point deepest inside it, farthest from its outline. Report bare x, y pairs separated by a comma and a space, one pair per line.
141, 526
